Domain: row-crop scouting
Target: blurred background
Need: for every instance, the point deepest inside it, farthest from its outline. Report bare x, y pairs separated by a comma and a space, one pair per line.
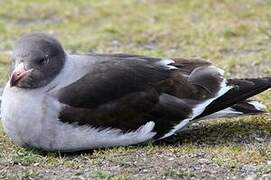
233, 34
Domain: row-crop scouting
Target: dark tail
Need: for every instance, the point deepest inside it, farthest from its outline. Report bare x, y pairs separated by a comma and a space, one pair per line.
247, 107
242, 90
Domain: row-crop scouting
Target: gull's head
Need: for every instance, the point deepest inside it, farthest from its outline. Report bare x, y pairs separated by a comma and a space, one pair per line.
37, 58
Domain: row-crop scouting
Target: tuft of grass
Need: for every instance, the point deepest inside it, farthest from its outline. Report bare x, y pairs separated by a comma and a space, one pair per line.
101, 175
180, 173
28, 174
264, 169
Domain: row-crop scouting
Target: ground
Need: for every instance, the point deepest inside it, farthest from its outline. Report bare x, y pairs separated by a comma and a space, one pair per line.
234, 35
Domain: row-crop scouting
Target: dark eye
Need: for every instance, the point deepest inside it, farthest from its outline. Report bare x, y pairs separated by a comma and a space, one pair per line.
43, 60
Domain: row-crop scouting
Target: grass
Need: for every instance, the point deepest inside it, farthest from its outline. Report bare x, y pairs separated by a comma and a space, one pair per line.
235, 35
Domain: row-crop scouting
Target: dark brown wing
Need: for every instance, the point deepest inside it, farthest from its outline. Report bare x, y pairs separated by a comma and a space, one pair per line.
126, 91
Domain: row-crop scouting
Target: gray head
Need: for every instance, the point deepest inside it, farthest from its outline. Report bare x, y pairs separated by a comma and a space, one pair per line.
37, 58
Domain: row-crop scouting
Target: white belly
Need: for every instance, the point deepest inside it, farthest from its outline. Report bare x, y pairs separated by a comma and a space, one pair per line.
30, 118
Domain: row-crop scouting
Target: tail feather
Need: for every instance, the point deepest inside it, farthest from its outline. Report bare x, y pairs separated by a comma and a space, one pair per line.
242, 90
248, 107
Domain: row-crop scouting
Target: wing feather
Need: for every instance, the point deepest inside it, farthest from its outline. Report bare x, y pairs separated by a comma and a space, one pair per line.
127, 91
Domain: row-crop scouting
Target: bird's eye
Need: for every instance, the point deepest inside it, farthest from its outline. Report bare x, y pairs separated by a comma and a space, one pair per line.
43, 60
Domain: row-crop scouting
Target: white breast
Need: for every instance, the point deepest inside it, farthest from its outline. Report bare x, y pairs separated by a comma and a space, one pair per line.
25, 115
30, 116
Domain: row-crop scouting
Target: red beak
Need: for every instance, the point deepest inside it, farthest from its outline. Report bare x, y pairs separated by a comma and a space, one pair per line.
19, 73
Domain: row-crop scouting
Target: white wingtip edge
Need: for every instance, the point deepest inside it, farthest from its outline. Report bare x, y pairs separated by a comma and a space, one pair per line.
259, 106
166, 63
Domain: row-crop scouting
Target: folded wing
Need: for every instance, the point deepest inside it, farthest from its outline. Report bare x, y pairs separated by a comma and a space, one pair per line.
126, 92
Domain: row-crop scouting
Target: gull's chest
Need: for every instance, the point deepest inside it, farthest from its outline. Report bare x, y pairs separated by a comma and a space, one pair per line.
24, 114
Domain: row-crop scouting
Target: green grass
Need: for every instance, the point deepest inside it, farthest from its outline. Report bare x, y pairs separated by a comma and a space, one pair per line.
235, 35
